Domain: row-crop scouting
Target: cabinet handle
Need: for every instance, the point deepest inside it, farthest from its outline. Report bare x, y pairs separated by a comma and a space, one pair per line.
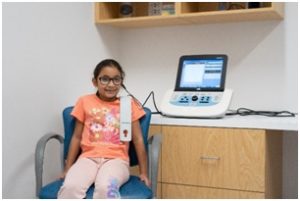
210, 158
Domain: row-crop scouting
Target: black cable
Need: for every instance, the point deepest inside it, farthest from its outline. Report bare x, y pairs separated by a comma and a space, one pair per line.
154, 102
246, 112
139, 103
147, 98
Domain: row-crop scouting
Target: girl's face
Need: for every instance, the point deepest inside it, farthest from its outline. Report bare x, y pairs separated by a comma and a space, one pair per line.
108, 83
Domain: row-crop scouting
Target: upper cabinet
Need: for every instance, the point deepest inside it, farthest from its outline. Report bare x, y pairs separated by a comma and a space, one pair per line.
147, 14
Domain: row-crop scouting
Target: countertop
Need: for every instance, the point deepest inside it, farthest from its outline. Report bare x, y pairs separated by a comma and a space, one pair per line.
235, 121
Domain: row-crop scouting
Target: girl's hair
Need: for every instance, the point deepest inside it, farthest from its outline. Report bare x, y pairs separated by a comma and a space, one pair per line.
108, 62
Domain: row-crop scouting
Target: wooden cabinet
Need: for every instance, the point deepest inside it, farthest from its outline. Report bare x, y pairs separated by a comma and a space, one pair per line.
220, 163
108, 13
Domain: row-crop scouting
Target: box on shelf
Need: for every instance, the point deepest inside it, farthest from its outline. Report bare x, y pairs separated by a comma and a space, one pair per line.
161, 8
154, 8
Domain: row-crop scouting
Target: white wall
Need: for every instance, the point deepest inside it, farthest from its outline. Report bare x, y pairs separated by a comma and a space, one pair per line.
49, 53
50, 50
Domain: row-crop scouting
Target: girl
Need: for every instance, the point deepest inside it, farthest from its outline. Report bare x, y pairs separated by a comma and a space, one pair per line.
104, 158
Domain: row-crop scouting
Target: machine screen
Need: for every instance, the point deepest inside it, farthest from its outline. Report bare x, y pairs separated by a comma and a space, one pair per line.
201, 73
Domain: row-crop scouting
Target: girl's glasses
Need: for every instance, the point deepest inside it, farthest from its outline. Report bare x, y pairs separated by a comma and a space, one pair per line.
105, 80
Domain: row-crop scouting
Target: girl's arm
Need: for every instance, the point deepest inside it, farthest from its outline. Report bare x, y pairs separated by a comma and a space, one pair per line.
140, 151
74, 147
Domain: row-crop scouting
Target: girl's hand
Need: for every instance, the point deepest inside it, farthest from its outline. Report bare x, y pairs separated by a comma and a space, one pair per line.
145, 179
62, 175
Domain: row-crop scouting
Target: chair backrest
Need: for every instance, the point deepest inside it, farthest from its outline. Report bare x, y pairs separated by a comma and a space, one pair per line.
69, 124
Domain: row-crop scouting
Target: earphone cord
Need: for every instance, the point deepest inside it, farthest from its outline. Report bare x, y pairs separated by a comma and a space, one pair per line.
154, 102
139, 103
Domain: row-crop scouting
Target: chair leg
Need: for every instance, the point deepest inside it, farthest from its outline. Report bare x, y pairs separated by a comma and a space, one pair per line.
154, 144
39, 157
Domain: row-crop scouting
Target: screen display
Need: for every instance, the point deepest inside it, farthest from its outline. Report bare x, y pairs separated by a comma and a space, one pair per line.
198, 73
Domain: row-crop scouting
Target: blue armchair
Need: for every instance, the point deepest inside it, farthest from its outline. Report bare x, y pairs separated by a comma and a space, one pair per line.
133, 188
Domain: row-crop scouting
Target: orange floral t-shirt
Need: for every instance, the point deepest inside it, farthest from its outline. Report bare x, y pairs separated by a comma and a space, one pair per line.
101, 119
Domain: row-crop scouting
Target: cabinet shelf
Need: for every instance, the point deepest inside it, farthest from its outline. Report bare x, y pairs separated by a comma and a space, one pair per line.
184, 13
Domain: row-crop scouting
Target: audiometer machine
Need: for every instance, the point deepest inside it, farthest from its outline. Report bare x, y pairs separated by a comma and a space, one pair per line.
199, 90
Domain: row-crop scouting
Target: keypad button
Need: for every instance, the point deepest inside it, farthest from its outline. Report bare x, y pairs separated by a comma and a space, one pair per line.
194, 98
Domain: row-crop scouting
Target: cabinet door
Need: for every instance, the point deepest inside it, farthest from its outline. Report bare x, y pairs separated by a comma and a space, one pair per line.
214, 157
171, 191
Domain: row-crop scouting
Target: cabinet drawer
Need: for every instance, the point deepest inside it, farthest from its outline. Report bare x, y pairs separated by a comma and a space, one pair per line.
214, 157
171, 191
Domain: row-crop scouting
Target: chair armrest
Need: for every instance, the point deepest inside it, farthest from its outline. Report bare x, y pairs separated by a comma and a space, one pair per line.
154, 143
39, 157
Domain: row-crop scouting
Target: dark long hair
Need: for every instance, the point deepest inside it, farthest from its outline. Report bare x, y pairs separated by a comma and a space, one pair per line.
111, 63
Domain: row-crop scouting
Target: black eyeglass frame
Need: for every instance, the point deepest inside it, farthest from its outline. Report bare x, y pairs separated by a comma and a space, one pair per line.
116, 80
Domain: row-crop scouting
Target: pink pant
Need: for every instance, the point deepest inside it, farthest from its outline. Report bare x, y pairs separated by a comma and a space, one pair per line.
107, 174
